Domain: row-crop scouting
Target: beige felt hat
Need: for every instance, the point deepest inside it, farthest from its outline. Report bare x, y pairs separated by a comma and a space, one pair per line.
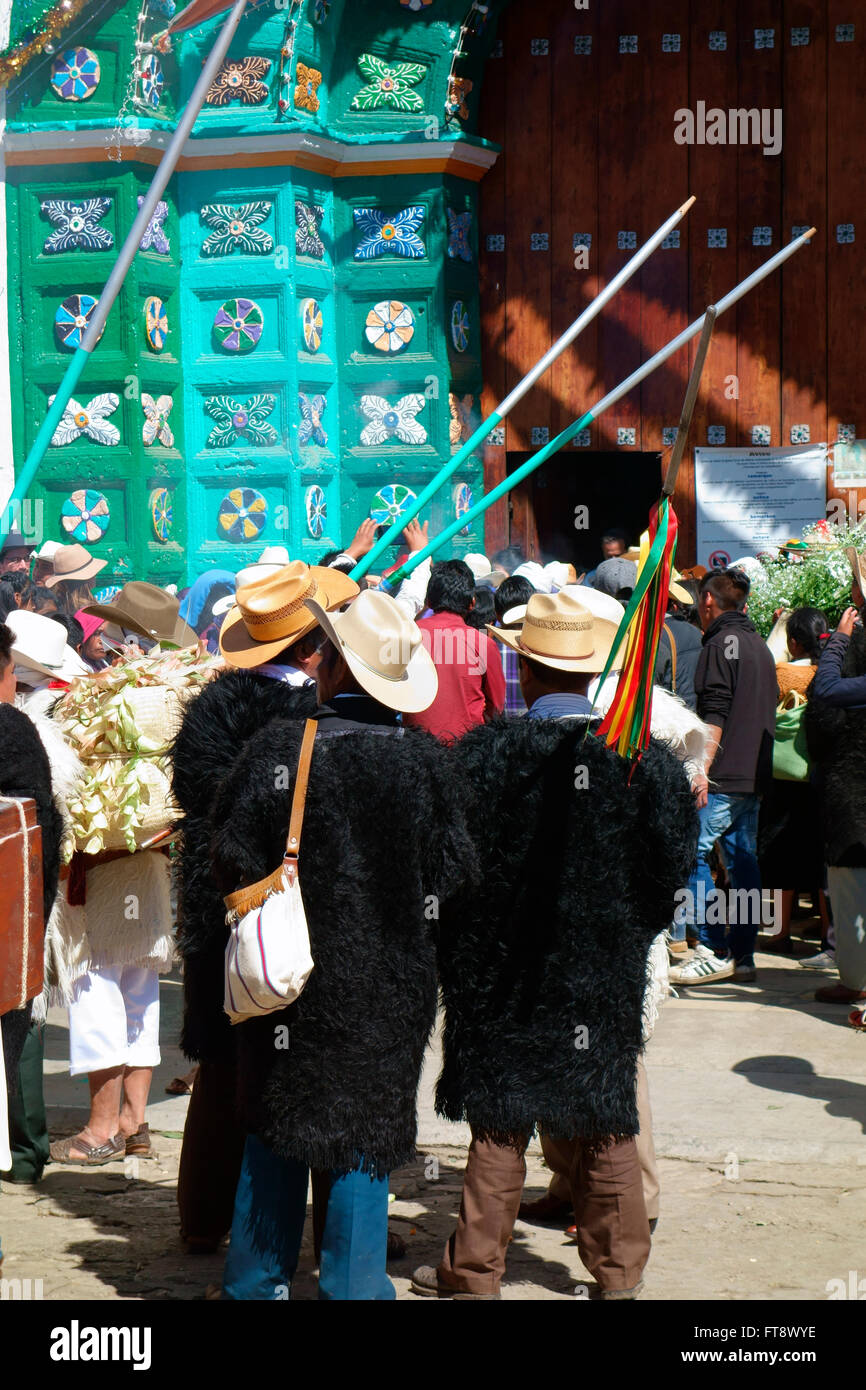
272, 611
383, 649
149, 611
73, 562
561, 632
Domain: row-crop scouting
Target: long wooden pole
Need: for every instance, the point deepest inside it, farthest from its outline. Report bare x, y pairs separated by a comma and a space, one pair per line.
519, 391
595, 411
689, 402
81, 357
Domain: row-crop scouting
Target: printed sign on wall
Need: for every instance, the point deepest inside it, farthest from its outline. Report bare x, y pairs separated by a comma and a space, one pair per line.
752, 500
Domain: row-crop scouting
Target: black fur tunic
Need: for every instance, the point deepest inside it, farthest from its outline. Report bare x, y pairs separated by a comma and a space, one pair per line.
836, 740
216, 726
576, 881
384, 845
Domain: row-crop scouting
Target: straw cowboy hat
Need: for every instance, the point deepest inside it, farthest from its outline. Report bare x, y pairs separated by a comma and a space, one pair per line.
858, 567
675, 591
40, 646
275, 610
147, 610
384, 651
73, 562
561, 632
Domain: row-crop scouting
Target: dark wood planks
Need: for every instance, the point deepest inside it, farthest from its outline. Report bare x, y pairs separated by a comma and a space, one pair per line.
846, 203
493, 221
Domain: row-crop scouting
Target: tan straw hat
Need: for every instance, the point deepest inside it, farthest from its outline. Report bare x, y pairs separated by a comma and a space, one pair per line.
383, 649
561, 632
73, 562
272, 611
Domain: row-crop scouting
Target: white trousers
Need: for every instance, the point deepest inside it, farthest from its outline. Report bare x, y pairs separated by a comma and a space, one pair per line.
114, 1020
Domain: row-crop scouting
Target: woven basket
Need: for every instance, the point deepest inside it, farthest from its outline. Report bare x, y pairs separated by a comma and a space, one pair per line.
157, 710
157, 810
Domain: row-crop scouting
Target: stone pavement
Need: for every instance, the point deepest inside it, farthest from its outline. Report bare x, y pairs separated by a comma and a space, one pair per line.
759, 1102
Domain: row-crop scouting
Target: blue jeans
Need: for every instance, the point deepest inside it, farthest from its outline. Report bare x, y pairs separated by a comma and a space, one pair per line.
734, 821
268, 1224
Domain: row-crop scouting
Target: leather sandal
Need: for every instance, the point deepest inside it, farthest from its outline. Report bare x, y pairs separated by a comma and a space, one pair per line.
139, 1142
93, 1155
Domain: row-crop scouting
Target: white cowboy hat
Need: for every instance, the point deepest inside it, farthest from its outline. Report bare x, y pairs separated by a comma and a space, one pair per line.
532, 570
558, 574
560, 632
47, 550
383, 649
40, 647
272, 558
223, 605
479, 565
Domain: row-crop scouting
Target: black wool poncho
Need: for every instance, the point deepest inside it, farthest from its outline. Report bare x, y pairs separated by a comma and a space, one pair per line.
543, 965
216, 726
384, 846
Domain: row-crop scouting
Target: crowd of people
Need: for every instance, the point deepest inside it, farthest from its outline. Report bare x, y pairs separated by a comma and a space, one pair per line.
464, 845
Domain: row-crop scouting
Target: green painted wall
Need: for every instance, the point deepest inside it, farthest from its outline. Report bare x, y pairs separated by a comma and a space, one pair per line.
189, 475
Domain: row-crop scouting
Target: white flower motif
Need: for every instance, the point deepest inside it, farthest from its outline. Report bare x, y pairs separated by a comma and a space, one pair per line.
89, 420
156, 424
388, 420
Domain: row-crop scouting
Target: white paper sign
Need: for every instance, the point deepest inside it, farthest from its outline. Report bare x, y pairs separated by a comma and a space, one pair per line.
752, 500
849, 463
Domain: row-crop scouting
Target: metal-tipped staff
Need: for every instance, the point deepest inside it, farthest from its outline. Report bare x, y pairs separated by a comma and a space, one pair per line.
626, 725
595, 411
164, 171
519, 391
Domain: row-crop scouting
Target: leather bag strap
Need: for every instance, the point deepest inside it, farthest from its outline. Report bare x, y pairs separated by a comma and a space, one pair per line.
299, 798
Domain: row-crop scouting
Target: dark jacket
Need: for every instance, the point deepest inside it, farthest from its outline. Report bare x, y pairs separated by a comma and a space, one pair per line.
836, 738
831, 684
26, 772
216, 726
575, 884
687, 640
384, 845
735, 684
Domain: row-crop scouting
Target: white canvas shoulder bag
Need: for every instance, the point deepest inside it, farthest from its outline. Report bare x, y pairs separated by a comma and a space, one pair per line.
268, 958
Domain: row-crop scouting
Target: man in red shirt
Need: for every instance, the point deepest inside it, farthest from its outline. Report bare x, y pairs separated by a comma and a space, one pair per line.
471, 682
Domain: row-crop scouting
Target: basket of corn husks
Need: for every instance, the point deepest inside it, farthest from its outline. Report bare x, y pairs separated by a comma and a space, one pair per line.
121, 723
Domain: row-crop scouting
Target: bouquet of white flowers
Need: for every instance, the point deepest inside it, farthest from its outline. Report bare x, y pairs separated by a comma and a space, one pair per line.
816, 577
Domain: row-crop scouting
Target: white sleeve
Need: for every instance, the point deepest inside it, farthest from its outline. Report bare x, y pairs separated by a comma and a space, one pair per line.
412, 593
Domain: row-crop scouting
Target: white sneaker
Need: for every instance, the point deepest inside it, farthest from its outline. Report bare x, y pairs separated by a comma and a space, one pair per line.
825, 960
703, 969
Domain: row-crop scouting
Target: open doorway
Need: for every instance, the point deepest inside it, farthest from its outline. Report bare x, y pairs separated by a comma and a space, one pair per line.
563, 509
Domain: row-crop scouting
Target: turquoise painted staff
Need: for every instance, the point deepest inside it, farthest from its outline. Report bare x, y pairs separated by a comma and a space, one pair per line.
498, 415
164, 171
598, 409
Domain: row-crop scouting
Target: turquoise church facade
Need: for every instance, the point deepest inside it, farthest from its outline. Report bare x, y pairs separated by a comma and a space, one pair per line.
297, 344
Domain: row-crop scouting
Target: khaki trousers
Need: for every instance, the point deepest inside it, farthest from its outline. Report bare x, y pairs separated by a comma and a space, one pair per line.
607, 1194
559, 1186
